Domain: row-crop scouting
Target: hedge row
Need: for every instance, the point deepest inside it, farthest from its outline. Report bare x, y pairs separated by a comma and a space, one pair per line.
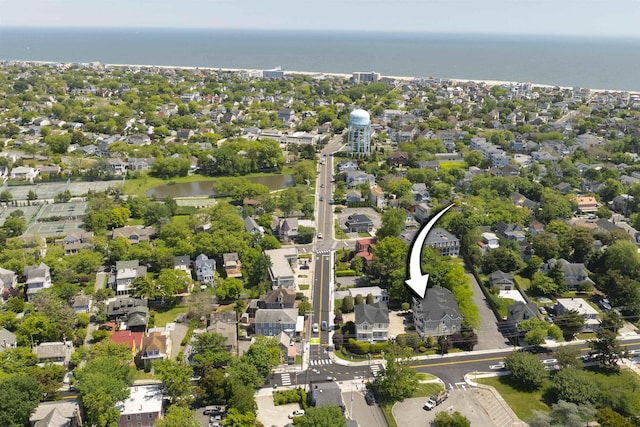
360, 347
282, 397
345, 273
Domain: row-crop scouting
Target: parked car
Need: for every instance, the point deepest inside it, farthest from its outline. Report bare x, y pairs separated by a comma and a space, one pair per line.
180, 318
324, 326
314, 328
370, 398
304, 267
296, 413
105, 327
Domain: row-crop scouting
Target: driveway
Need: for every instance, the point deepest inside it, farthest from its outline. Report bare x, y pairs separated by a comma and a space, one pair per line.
363, 414
411, 412
177, 331
488, 335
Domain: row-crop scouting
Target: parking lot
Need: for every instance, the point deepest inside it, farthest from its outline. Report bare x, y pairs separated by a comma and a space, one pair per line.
411, 412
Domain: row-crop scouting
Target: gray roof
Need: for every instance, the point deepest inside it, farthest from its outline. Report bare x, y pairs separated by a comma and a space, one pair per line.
182, 260
500, 277
438, 234
7, 338
371, 313
439, 303
6, 277
122, 306
49, 350
277, 315
521, 311
327, 394
63, 409
359, 219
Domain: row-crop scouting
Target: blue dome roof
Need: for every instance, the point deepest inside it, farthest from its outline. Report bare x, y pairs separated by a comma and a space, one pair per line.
359, 117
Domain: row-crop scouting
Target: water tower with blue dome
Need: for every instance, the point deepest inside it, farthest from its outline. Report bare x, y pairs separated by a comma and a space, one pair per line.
359, 136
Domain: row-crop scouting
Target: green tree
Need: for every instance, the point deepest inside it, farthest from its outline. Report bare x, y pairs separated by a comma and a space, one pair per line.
305, 235
393, 221
347, 304
456, 419
210, 350
58, 143
607, 348
575, 385
607, 417
19, 397
179, 416
327, 416
623, 256
563, 414
264, 354
543, 285
176, 377
611, 320
49, 378
526, 369
241, 397
568, 356
237, 419
171, 281
398, 381
304, 172
229, 289
570, 322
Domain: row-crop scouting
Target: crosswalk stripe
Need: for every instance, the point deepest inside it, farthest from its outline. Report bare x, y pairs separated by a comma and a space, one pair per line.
286, 379
321, 362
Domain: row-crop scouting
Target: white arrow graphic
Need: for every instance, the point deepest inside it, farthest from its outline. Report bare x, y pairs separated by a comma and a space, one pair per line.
417, 281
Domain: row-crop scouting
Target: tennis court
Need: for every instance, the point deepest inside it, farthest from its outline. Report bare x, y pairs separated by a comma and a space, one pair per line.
44, 191
57, 228
81, 188
27, 210
70, 210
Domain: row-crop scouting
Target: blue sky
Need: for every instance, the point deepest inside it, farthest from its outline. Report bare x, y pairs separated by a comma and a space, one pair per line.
546, 17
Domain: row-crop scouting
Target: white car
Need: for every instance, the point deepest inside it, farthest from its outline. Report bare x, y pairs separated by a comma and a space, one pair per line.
314, 328
296, 413
430, 405
319, 235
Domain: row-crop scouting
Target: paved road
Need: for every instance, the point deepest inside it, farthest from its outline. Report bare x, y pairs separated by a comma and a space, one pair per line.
488, 335
322, 300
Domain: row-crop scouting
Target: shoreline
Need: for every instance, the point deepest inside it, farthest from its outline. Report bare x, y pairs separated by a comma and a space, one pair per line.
321, 73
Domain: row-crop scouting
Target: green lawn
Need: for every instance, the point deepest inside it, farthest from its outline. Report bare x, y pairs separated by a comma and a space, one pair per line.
451, 165
522, 403
387, 411
167, 316
339, 233
303, 287
364, 234
427, 389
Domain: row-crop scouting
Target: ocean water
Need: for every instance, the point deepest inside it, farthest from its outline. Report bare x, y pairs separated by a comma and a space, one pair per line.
564, 61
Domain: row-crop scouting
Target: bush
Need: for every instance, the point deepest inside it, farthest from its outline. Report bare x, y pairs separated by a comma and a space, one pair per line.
347, 304
345, 273
283, 397
187, 336
358, 347
377, 348
422, 349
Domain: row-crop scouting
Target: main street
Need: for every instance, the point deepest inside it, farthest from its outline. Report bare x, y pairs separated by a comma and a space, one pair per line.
323, 245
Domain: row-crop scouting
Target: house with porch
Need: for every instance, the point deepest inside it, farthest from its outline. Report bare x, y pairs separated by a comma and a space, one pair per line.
436, 314
372, 322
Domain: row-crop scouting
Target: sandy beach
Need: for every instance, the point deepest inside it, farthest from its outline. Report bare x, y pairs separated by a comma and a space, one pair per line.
320, 73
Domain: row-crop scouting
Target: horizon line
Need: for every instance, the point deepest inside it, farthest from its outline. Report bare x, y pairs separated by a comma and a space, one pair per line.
324, 31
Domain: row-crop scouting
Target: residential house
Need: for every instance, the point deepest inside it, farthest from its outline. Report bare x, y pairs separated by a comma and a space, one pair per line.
132, 339
182, 263
376, 197
232, 265
359, 223
76, 241
58, 413
37, 278
155, 346
82, 303
143, 407
205, 269
372, 322
270, 322
575, 274
523, 202
364, 248
325, 394
379, 294
510, 231
8, 283
225, 323
126, 273
117, 166
354, 196
398, 158
503, 281
347, 166
420, 192
286, 115
623, 204
58, 353
287, 347
7, 339
436, 314
134, 234
536, 227
132, 312
24, 172
285, 229
444, 242
519, 312
591, 324
422, 212
587, 204
278, 298
251, 226
490, 241
357, 177
280, 272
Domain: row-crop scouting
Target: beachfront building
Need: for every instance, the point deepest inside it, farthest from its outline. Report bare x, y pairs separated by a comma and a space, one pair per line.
359, 136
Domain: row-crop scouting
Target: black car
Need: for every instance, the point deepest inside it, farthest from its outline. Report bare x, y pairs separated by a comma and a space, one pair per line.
105, 327
370, 398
